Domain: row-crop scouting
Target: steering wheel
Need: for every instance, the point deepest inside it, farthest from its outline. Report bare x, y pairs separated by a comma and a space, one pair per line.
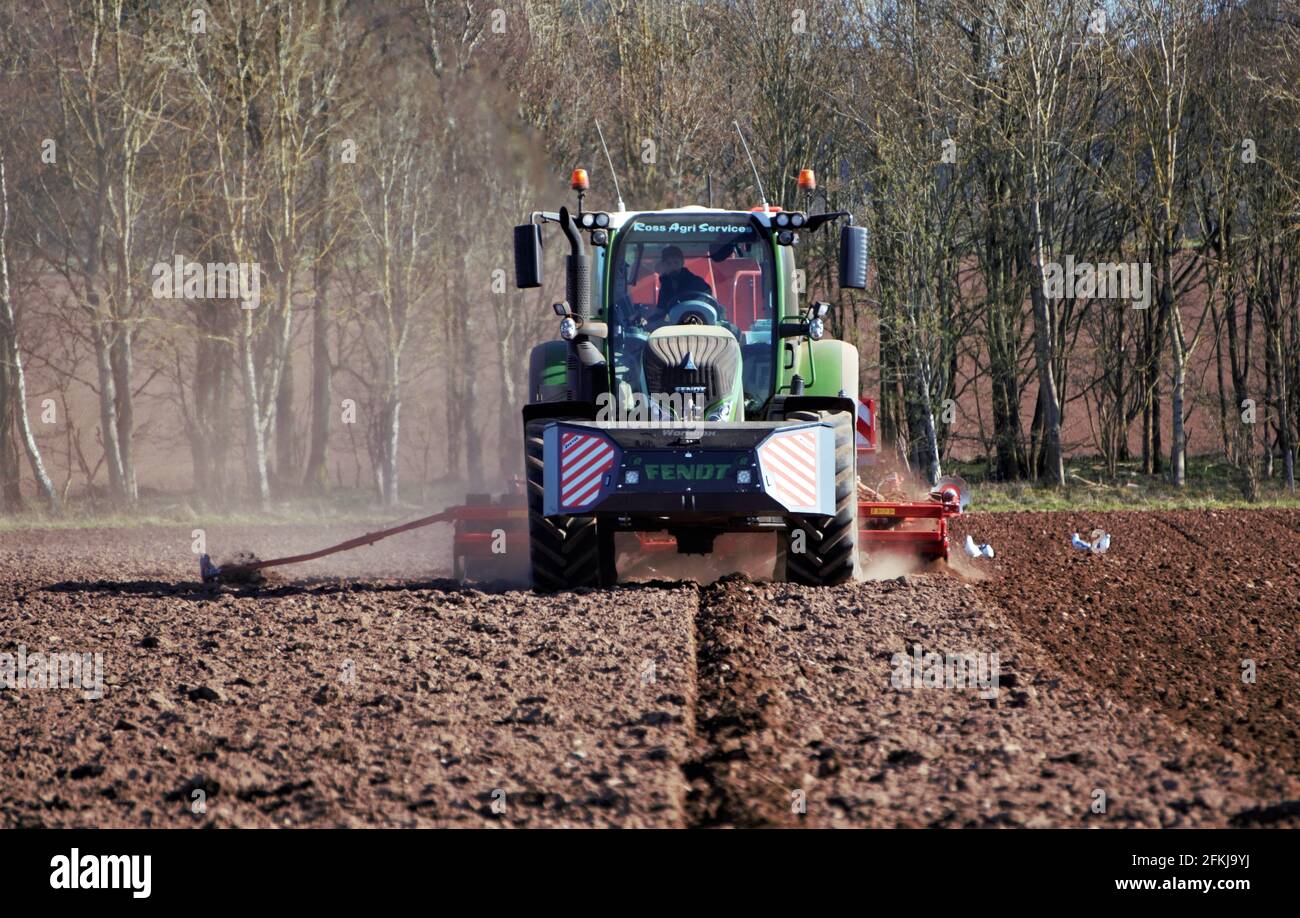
695, 309
625, 324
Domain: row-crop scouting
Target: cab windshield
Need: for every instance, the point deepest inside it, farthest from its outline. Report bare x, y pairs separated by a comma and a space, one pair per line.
714, 269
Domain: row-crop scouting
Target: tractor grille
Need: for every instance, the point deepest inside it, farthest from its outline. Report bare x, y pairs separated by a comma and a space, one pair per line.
686, 362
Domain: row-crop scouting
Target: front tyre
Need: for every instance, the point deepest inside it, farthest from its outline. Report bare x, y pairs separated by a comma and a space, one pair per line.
565, 552
829, 554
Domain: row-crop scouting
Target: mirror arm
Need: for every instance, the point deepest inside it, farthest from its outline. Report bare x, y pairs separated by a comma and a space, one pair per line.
793, 328
817, 221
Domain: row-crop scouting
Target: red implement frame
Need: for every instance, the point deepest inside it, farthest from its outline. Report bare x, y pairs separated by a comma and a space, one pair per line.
481, 528
902, 527
893, 527
897, 526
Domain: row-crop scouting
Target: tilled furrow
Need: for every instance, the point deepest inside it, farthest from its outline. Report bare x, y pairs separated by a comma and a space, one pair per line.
367, 703
741, 772
1196, 623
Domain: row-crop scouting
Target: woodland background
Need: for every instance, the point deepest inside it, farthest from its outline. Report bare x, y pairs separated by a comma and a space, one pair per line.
372, 157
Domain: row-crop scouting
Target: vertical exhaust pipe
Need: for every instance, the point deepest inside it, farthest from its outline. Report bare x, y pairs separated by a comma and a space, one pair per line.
585, 358
577, 268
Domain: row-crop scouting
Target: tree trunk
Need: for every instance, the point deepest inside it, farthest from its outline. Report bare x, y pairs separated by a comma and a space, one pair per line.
285, 434
925, 446
1007, 431
258, 482
1180, 355
315, 477
1178, 448
42, 478
108, 403
11, 495
13, 384
1053, 463
122, 357
1157, 435
392, 438
1048, 397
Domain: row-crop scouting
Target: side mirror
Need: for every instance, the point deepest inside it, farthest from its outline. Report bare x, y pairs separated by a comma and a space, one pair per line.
528, 255
853, 257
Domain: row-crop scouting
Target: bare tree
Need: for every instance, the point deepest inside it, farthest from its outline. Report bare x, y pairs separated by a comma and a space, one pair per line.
398, 206
108, 80
13, 379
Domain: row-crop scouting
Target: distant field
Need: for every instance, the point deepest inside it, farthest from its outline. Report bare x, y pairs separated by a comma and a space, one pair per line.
1211, 484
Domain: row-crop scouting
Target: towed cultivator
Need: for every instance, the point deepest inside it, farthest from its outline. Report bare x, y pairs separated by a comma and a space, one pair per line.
689, 395
889, 522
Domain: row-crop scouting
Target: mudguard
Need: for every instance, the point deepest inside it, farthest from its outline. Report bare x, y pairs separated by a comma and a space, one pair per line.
831, 369
547, 371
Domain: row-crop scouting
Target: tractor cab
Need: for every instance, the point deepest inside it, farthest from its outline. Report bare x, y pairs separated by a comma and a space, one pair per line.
690, 301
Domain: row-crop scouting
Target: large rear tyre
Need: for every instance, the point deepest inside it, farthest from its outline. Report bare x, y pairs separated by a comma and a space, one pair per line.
829, 546
565, 552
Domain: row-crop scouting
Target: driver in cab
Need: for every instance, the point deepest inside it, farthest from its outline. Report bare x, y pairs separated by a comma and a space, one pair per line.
676, 282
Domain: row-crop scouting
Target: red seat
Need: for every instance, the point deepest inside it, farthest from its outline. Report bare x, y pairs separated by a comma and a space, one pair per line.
646, 290
739, 290
736, 283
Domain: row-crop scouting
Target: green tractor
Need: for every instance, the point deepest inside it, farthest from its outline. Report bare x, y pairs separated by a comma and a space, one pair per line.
689, 392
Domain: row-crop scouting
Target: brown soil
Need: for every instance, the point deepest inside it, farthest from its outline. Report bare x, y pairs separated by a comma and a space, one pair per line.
391, 698
1167, 617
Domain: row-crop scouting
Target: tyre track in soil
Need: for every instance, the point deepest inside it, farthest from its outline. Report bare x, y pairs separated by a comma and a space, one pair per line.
736, 772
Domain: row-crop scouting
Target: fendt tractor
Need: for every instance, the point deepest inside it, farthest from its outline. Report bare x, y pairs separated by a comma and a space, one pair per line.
687, 396
689, 392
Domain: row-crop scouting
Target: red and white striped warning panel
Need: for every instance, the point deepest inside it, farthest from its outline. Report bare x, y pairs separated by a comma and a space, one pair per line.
866, 426
584, 460
789, 463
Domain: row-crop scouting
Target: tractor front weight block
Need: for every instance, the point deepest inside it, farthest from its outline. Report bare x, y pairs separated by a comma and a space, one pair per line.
681, 472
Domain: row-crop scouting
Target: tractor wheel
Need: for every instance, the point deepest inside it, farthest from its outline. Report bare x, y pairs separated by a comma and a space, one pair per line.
830, 546
608, 556
566, 552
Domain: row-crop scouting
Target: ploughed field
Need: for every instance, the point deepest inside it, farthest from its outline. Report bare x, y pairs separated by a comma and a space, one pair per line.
362, 691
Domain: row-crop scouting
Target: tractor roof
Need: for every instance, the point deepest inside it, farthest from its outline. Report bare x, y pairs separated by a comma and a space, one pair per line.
618, 218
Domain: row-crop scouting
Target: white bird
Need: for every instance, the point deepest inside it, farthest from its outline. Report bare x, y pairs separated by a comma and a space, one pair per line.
1079, 543
970, 547
986, 550
1103, 543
